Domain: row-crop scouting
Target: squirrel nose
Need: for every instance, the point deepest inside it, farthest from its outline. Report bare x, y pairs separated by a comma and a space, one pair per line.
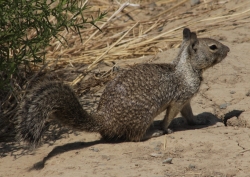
227, 48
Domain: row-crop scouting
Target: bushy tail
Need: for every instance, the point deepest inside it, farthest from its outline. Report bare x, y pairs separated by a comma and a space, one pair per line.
50, 100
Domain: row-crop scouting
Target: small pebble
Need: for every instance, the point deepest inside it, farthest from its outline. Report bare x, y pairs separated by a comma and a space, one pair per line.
191, 166
223, 106
168, 160
157, 148
156, 154
248, 93
232, 92
194, 2
105, 157
94, 149
219, 124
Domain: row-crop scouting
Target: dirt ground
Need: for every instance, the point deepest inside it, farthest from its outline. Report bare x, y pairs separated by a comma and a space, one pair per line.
210, 150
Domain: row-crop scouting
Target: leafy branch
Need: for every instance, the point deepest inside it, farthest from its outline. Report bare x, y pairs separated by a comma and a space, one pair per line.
26, 29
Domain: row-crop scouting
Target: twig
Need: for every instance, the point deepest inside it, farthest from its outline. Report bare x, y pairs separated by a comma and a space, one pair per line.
168, 10
114, 14
225, 16
100, 57
244, 151
165, 143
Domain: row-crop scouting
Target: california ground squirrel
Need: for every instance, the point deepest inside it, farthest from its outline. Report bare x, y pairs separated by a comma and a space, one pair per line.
131, 101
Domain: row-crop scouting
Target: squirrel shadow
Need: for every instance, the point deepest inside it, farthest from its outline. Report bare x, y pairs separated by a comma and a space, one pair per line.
231, 114
178, 124
203, 120
61, 149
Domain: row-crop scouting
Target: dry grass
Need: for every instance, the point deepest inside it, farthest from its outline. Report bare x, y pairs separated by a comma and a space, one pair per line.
132, 30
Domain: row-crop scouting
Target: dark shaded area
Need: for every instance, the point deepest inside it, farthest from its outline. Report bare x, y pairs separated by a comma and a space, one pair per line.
61, 149
11, 146
203, 120
85, 89
229, 115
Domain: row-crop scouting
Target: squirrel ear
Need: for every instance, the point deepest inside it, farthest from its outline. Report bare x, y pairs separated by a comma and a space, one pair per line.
193, 37
186, 34
193, 41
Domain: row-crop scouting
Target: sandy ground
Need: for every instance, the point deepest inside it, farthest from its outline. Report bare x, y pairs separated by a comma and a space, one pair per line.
210, 150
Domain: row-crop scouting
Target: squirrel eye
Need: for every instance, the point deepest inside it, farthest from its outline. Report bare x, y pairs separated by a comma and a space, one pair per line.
213, 47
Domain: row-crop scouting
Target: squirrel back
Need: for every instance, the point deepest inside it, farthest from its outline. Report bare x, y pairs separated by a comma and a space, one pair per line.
131, 101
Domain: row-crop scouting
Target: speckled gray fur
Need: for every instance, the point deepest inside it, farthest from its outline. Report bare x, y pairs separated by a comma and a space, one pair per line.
131, 101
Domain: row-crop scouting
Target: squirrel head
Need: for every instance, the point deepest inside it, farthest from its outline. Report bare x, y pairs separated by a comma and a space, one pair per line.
202, 53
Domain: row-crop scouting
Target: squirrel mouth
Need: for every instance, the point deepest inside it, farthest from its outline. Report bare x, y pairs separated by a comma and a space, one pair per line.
215, 62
